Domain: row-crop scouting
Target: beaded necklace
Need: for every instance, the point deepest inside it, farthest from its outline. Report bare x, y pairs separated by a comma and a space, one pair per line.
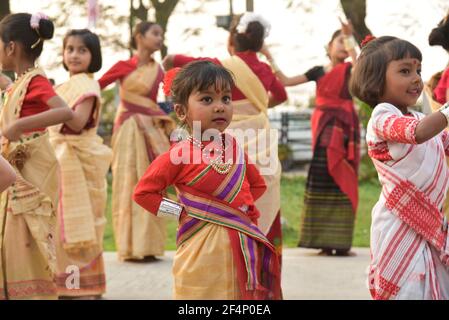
217, 164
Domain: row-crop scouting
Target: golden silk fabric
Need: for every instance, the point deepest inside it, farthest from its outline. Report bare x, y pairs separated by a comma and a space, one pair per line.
137, 139
27, 208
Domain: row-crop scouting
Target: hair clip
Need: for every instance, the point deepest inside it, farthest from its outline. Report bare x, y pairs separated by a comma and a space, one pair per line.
35, 18
367, 40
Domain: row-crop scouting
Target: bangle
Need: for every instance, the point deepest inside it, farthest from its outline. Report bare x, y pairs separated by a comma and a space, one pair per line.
445, 111
169, 209
349, 42
274, 66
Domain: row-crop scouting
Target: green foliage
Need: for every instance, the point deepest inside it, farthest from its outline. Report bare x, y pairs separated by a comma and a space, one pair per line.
367, 171
364, 111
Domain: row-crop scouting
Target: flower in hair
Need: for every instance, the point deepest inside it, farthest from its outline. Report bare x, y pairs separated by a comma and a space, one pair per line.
367, 40
248, 17
35, 18
168, 80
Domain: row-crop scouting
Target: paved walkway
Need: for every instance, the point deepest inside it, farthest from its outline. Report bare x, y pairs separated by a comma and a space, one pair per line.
305, 276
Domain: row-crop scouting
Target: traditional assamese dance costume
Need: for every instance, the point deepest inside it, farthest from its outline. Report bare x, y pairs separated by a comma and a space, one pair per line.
221, 252
409, 238
84, 162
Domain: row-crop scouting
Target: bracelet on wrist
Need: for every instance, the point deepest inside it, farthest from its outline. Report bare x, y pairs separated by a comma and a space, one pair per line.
169, 209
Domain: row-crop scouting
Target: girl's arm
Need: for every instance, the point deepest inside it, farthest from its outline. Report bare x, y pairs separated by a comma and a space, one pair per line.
81, 114
7, 174
59, 112
350, 43
159, 175
116, 72
285, 80
179, 60
430, 126
390, 126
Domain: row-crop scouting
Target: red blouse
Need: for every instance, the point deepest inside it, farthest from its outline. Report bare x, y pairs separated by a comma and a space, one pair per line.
162, 173
261, 69
442, 87
39, 91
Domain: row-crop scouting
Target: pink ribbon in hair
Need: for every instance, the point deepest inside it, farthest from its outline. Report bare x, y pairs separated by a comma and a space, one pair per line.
35, 18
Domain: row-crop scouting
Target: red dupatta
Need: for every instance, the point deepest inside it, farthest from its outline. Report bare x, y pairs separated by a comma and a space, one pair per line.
333, 103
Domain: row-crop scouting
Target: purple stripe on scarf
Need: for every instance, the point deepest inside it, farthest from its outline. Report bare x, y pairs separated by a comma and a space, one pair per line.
217, 211
186, 226
232, 183
266, 266
253, 260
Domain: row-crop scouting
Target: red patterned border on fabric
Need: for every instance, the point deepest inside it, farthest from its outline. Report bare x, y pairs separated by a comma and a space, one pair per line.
416, 210
399, 129
379, 151
25, 289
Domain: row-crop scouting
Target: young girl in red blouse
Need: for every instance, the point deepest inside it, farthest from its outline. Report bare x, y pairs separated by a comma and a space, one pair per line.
27, 214
256, 89
221, 252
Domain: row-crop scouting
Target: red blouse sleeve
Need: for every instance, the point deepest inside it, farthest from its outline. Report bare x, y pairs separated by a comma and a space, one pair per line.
389, 126
256, 181
117, 72
160, 174
40, 90
181, 60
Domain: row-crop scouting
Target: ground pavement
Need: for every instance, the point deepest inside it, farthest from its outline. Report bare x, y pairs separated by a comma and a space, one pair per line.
305, 275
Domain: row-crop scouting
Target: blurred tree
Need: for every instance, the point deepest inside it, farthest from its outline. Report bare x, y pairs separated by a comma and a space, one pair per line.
355, 10
4, 8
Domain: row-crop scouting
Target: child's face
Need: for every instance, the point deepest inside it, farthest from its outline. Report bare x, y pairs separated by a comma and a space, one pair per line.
153, 39
337, 49
77, 56
403, 84
213, 108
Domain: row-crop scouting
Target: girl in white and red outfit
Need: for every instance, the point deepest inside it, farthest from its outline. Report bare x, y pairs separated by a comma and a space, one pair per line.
409, 247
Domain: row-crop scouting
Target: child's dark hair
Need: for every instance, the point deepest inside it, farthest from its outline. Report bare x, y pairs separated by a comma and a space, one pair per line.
439, 36
92, 43
369, 76
252, 39
199, 76
140, 28
16, 27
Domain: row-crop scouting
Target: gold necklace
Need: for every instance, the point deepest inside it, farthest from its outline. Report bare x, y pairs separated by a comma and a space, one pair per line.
217, 164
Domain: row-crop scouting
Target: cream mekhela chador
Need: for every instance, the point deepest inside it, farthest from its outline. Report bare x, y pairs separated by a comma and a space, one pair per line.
84, 161
28, 207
